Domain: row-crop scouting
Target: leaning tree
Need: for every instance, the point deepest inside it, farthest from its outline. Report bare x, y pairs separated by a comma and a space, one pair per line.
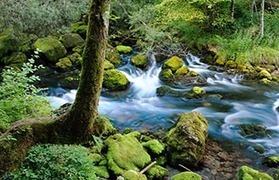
78, 123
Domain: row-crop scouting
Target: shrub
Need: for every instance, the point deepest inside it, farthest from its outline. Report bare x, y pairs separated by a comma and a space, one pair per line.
56, 162
18, 96
40, 17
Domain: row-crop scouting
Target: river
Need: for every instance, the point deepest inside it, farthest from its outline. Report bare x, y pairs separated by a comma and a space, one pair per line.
242, 102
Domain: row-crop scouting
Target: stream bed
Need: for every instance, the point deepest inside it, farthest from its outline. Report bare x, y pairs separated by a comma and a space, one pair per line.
242, 102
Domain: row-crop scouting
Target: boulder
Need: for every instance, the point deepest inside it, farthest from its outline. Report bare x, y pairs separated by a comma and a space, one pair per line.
125, 153
184, 70
247, 173
197, 92
103, 127
76, 59
186, 140
157, 172
271, 161
139, 60
166, 75
253, 130
51, 47
79, 28
16, 58
133, 175
124, 49
264, 74
64, 64
71, 40
115, 80
108, 65
154, 146
230, 64
173, 63
186, 176
113, 56
101, 172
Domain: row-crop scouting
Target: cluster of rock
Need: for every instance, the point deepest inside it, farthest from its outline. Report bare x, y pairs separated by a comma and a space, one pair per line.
140, 155
264, 73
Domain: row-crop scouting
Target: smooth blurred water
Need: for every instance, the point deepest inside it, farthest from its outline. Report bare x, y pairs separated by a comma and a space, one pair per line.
140, 108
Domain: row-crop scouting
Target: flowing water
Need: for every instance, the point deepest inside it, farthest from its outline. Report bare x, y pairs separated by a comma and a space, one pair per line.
140, 108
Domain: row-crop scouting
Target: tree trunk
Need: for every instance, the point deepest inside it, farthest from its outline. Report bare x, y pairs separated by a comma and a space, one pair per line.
79, 120
77, 125
262, 20
232, 10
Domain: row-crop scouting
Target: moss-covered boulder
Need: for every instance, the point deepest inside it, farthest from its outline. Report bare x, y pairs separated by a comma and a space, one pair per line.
115, 80
264, 74
76, 59
166, 75
139, 60
247, 173
271, 161
124, 49
7, 41
71, 40
79, 28
101, 172
173, 63
197, 92
186, 176
16, 58
184, 70
154, 146
157, 172
103, 127
231, 64
113, 56
253, 130
133, 175
125, 153
186, 140
64, 64
51, 47
220, 61
108, 65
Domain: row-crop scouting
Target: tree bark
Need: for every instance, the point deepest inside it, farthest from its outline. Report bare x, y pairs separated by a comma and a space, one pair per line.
77, 125
262, 20
232, 10
79, 120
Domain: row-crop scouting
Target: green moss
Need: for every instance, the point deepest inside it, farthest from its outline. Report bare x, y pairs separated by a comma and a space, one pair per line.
64, 63
139, 60
95, 157
265, 74
247, 173
79, 28
154, 146
265, 81
101, 172
113, 56
125, 153
7, 41
192, 74
16, 58
182, 71
108, 65
115, 80
75, 58
71, 40
51, 47
275, 174
78, 49
124, 49
231, 64
166, 75
157, 172
103, 127
133, 175
186, 141
220, 61
174, 63
271, 161
198, 91
186, 176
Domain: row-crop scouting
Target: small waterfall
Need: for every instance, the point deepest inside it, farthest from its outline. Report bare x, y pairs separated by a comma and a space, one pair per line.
144, 85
